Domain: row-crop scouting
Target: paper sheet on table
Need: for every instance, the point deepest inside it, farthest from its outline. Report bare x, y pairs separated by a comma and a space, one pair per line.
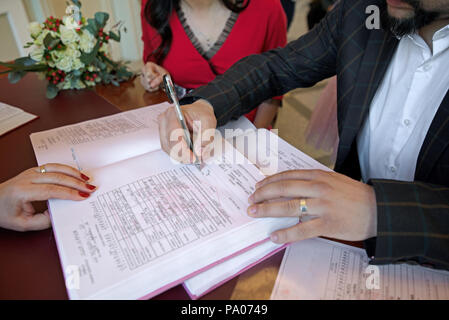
322, 269
12, 118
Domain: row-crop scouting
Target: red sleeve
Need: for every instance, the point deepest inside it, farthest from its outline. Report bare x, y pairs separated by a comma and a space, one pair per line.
276, 35
150, 38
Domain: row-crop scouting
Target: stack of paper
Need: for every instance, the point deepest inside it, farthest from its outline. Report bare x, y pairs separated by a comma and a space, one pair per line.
321, 269
12, 118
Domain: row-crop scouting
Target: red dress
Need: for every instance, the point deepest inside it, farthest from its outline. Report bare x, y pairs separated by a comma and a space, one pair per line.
262, 26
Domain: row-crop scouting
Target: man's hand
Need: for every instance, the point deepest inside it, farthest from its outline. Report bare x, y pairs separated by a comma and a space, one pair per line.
16, 195
152, 75
343, 208
201, 121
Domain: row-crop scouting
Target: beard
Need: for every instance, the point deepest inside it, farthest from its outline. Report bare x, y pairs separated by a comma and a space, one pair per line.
406, 26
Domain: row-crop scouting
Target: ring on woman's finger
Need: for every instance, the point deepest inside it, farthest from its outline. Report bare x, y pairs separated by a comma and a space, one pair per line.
42, 169
302, 208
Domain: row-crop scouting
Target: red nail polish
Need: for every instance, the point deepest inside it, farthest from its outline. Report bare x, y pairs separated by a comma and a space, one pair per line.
84, 177
84, 194
91, 187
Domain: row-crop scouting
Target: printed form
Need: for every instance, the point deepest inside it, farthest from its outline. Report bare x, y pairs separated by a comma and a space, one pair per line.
149, 215
322, 269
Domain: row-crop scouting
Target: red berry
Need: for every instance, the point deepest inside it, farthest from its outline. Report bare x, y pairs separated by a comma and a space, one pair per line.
55, 82
49, 48
107, 37
48, 78
54, 74
95, 75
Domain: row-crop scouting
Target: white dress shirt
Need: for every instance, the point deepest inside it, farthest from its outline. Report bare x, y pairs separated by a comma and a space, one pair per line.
403, 108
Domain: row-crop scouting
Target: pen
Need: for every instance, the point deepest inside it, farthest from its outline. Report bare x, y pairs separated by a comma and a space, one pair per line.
171, 93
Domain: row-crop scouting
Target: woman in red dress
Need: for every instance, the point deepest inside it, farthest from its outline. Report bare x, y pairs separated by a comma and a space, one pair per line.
197, 40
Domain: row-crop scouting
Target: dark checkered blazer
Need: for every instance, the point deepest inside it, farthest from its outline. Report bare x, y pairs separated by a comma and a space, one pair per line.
413, 218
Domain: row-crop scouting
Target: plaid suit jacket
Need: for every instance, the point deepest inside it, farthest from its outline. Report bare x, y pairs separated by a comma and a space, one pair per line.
413, 218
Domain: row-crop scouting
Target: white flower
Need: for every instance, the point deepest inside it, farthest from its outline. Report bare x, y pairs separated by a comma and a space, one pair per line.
77, 64
68, 35
65, 64
40, 39
69, 22
35, 29
37, 54
87, 41
72, 52
56, 55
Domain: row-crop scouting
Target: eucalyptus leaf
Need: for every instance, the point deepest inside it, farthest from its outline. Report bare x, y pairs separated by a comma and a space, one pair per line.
15, 77
114, 36
49, 41
92, 26
88, 58
101, 18
52, 91
77, 3
25, 61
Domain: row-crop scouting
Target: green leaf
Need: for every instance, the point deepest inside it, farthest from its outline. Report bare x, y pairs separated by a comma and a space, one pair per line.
52, 91
114, 36
77, 3
101, 18
49, 41
15, 77
25, 61
92, 26
88, 58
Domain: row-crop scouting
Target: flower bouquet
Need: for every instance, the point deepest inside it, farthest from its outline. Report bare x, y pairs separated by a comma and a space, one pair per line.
70, 53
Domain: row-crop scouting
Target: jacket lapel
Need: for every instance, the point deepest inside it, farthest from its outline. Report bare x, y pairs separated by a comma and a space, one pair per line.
436, 142
378, 54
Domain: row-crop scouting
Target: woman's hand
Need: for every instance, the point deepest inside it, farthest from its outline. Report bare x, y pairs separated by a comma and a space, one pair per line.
152, 75
17, 194
343, 208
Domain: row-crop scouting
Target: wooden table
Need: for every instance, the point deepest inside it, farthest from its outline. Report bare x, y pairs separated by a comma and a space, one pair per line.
29, 262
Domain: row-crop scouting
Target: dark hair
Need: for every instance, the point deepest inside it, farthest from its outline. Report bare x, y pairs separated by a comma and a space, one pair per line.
157, 14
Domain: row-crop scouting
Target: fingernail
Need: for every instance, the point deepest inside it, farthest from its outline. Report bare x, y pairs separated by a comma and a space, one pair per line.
274, 238
91, 187
251, 199
84, 177
252, 210
84, 194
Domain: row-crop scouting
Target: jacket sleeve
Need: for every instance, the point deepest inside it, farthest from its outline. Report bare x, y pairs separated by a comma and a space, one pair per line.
412, 224
256, 78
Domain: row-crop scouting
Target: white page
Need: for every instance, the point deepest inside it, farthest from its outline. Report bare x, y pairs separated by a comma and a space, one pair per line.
322, 269
12, 117
100, 142
205, 281
288, 158
152, 222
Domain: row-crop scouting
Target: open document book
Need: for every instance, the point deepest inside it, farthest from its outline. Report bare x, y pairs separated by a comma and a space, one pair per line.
152, 223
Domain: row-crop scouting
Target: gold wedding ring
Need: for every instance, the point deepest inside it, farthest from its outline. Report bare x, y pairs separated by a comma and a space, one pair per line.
42, 169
